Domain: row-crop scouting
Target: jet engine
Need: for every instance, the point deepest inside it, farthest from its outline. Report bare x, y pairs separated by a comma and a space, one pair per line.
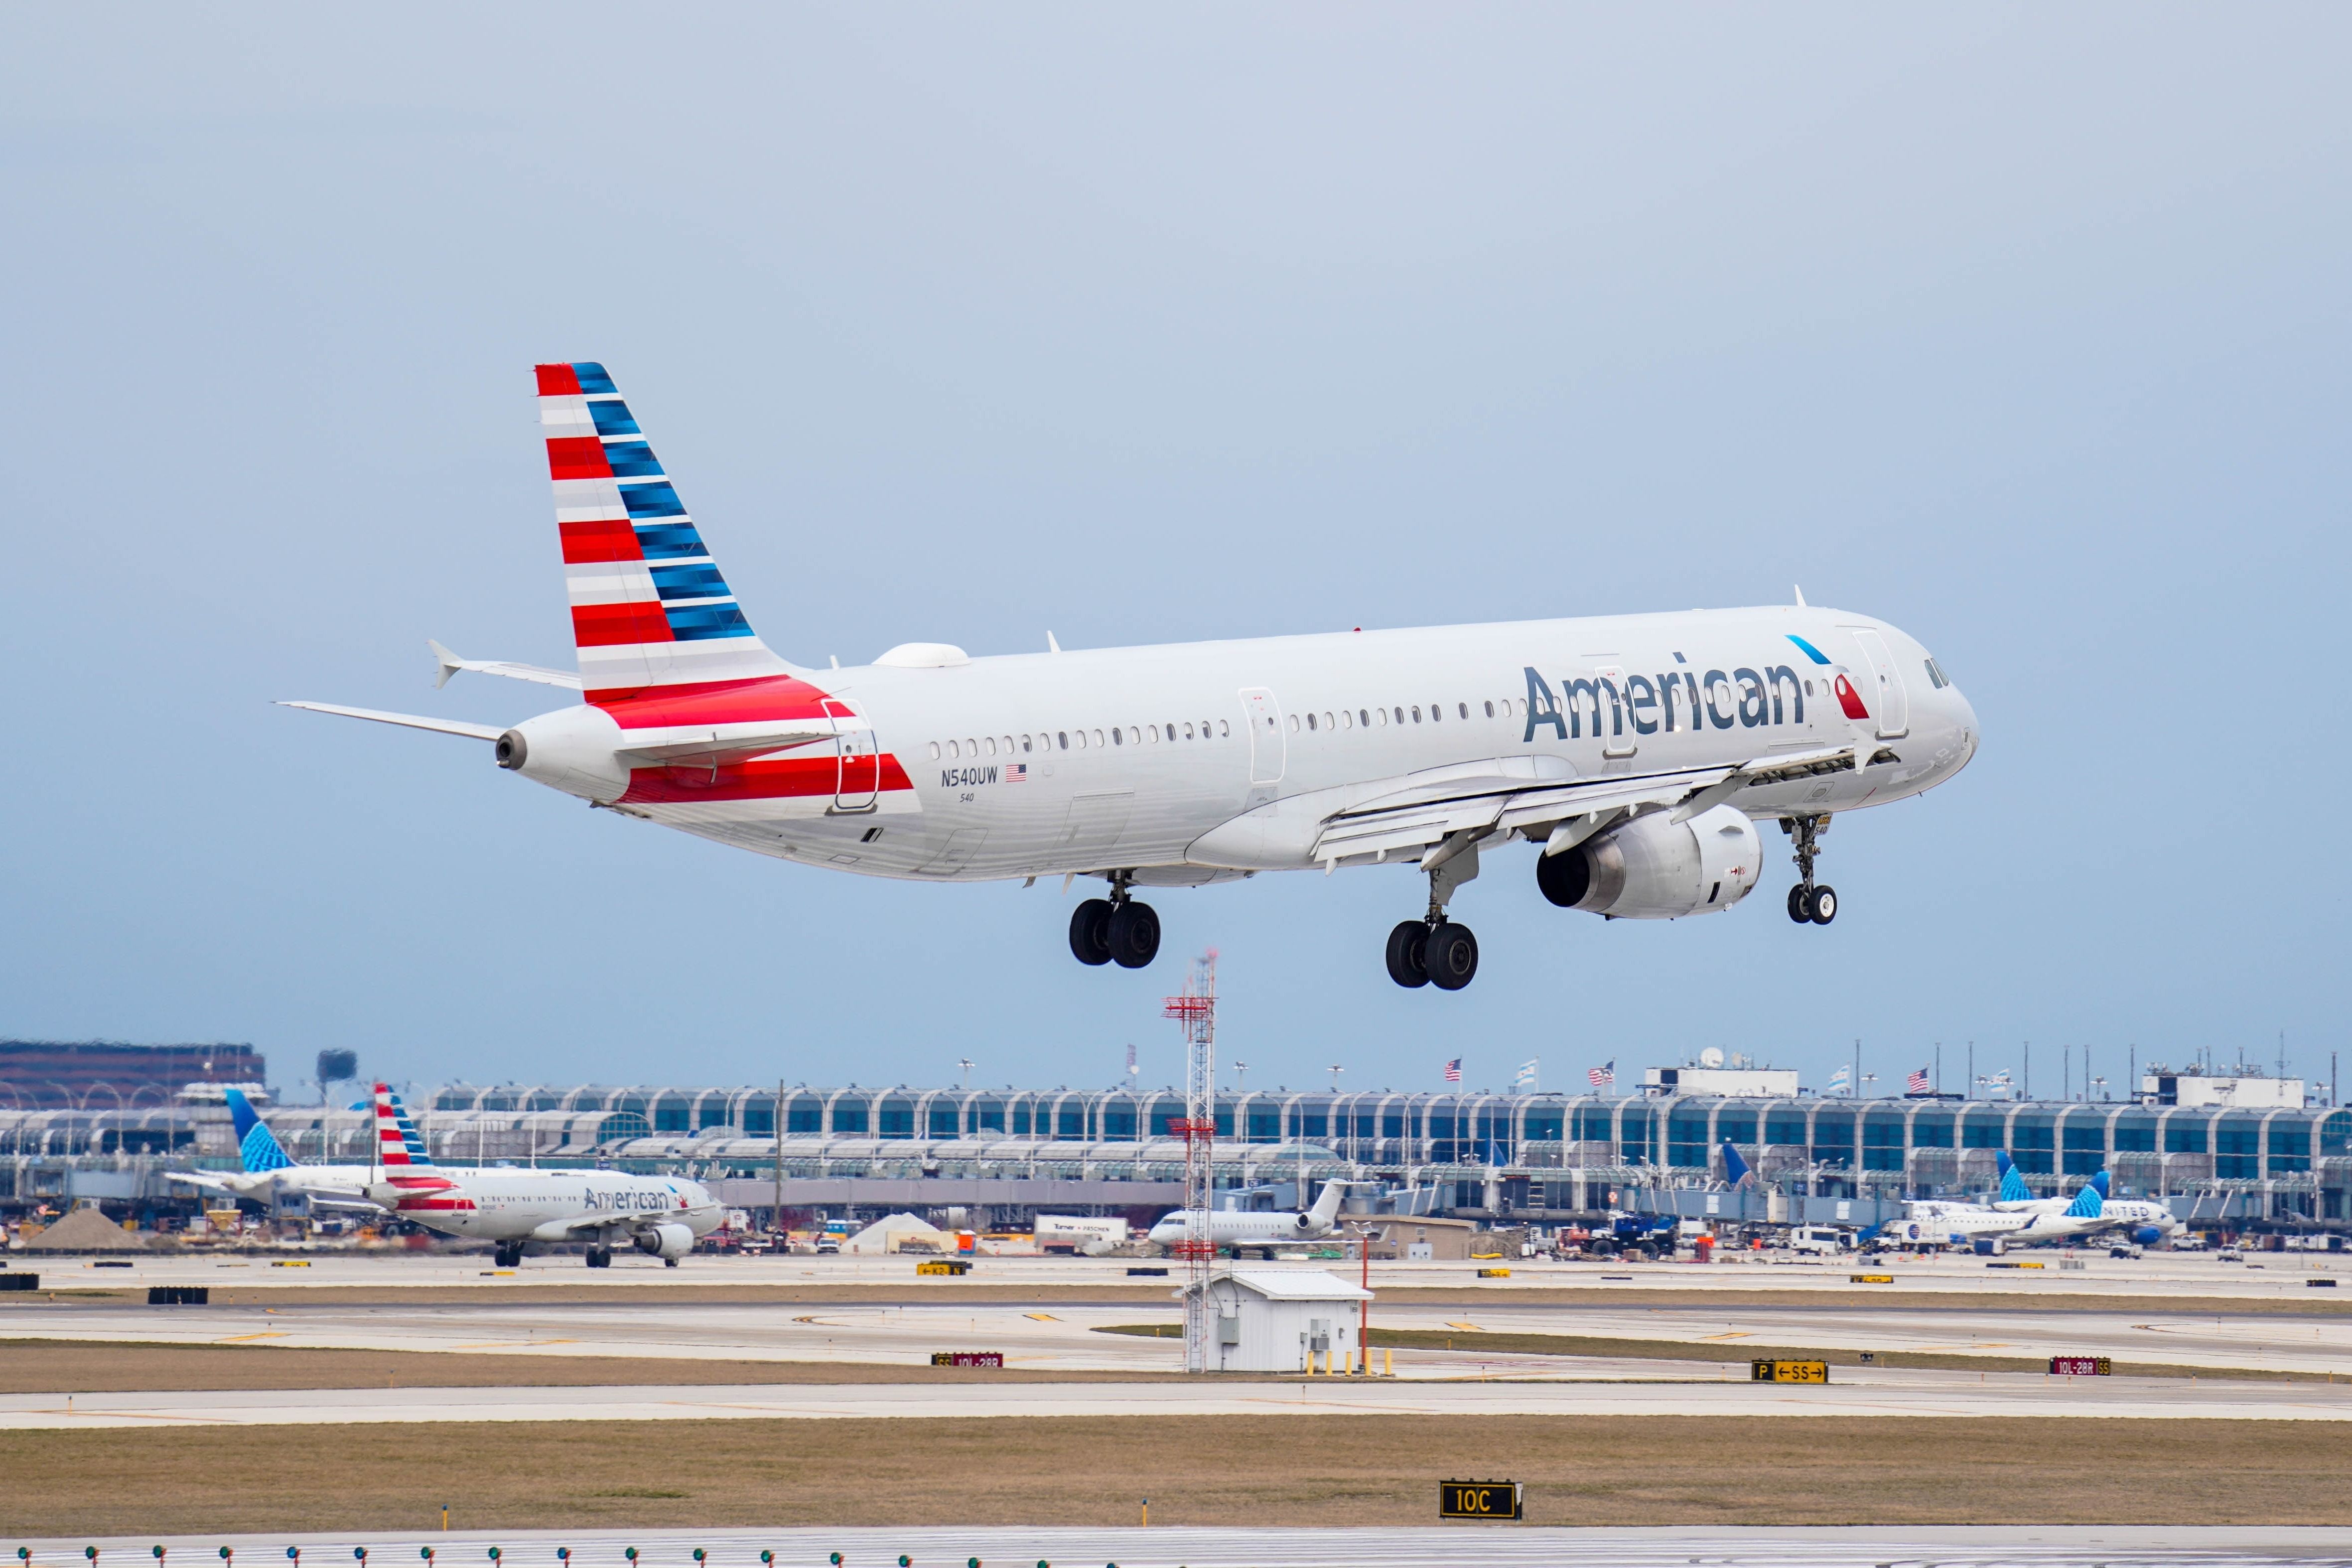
2148, 1236
670, 1242
1655, 869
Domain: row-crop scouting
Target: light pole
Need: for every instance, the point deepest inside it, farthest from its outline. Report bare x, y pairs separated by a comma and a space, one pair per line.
966, 1064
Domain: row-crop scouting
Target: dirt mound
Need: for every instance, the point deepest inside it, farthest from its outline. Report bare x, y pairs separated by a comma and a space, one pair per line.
86, 1230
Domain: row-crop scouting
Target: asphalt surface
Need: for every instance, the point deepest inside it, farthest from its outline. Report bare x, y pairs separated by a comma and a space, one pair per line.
1852, 1392
1501, 1546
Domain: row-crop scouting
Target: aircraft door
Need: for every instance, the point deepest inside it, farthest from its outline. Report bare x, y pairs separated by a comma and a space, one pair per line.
857, 780
1268, 745
1891, 699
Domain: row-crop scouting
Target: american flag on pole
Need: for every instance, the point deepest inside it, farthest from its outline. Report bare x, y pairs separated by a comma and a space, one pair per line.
1916, 1083
1605, 1075
1453, 1071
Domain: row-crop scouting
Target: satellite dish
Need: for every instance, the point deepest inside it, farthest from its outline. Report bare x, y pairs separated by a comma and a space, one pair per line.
1710, 1058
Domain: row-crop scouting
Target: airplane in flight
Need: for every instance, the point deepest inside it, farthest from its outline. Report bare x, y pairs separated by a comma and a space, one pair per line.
1240, 1228
1637, 753
524, 1211
267, 1172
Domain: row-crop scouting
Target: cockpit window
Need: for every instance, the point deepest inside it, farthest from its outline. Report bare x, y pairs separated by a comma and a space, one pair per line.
1936, 675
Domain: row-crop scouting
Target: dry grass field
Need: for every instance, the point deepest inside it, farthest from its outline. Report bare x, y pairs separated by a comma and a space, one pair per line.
1196, 1471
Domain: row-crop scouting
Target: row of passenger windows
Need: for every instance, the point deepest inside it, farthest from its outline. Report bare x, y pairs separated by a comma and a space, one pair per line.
1380, 718
1222, 729
1079, 740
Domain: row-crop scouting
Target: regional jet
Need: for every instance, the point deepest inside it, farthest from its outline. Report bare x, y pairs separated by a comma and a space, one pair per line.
1241, 1228
1637, 753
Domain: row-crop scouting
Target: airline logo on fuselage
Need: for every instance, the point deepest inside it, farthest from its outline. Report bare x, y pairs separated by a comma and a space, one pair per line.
616, 1199
1672, 700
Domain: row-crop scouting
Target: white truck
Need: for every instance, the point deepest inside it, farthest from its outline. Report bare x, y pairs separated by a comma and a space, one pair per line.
1820, 1239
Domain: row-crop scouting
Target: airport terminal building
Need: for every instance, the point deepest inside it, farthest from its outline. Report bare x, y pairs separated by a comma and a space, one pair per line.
1543, 1157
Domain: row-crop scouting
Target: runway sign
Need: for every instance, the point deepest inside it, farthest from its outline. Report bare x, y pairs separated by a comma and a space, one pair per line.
2080, 1366
944, 1265
967, 1358
1478, 1499
1872, 1278
1789, 1371
1493, 1273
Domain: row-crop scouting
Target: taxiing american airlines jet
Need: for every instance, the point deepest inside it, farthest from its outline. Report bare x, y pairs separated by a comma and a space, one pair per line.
1636, 753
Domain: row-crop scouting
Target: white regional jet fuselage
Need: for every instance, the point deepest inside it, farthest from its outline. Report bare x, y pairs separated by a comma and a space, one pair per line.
1637, 751
1240, 1228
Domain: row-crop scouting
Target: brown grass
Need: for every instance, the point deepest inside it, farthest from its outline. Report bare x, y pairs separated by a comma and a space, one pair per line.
1197, 1471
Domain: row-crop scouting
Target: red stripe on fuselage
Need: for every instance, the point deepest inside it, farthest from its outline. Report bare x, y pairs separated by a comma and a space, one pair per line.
774, 778
710, 702
408, 1205
577, 457
612, 625
557, 380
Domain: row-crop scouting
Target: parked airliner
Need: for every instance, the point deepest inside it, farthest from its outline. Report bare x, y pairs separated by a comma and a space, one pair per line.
1240, 1228
1637, 751
267, 1173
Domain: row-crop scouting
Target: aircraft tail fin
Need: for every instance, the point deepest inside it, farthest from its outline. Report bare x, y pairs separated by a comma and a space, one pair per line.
391, 1144
2100, 1181
650, 606
1327, 1203
410, 1138
1734, 1168
257, 1148
2087, 1204
2012, 1181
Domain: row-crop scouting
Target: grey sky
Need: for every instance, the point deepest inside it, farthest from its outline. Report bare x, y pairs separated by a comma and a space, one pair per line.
2025, 329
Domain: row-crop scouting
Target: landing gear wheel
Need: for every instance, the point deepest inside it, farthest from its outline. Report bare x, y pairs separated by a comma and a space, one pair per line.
506, 1257
1823, 904
1090, 931
1800, 906
1131, 936
669, 1263
1408, 959
1450, 956
599, 1258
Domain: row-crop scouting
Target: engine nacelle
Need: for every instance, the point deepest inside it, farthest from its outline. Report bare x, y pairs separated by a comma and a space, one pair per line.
572, 750
670, 1241
1655, 869
2148, 1236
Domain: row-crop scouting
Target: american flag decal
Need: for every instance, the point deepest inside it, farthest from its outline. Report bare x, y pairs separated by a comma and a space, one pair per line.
1016, 773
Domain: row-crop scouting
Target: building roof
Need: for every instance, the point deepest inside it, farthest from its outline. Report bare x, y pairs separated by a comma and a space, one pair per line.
1293, 1284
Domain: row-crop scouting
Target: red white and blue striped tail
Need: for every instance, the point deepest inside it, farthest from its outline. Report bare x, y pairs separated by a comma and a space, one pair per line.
649, 607
391, 1144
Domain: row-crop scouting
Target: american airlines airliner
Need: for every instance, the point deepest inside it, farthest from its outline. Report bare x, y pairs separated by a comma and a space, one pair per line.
1634, 753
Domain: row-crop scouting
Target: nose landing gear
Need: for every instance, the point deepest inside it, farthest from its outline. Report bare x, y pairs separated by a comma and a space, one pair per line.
1806, 901
1115, 929
1433, 950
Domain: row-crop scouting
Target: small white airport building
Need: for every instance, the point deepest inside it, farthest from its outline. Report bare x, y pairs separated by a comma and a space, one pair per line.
1271, 1320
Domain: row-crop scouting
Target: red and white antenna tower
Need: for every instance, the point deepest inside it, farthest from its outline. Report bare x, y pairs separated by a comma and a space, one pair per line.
1195, 1013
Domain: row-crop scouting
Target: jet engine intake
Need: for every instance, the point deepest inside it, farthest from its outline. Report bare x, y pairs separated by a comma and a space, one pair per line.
665, 1240
1655, 869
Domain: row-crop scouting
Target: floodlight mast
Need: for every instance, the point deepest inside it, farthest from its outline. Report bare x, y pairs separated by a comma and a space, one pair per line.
1195, 1013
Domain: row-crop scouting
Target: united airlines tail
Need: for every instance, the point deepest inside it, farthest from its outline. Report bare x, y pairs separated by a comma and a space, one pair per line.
2013, 1189
2089, 1203
648, 604
257, 1146
1734, 1168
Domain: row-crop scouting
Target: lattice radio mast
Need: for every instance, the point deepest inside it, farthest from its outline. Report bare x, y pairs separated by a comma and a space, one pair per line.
1195, 1013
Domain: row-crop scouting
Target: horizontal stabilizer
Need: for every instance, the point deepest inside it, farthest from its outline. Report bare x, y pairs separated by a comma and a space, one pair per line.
717, 749
446, 664
407, 720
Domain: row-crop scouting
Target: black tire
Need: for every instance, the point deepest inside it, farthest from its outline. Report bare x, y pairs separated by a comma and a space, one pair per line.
1090, 931
1800, 907
1564, 879
1408, 960
1450, 956
1132, 935
1824, 906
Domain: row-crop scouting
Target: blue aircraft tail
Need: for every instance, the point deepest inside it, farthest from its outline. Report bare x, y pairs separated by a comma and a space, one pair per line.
2088, 1204
2100, 1181
2013, 1189
1734, 1168
257, 1146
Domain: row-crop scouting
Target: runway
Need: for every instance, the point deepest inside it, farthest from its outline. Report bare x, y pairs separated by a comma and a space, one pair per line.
1491, 1546
1053, 1336
1860, 1392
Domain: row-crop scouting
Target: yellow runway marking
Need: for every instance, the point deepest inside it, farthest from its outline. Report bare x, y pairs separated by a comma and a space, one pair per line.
1743, 1334
1466, 1328
1042, 1317
267, 1334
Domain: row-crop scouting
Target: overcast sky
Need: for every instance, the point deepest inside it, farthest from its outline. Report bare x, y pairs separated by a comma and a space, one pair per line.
2023, 328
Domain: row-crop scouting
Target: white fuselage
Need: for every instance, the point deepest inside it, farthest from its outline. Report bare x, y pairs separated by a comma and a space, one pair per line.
1193, 762
492, 1203
1967, 1222
1241, 1228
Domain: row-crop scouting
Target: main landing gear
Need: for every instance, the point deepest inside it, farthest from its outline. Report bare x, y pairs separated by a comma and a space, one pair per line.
599, 1257
506, 1254
1433, 950
1808, 900
1116, 930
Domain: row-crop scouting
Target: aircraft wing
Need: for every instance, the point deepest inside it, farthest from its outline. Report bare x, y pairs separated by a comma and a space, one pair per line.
210, 1183
1427, 811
